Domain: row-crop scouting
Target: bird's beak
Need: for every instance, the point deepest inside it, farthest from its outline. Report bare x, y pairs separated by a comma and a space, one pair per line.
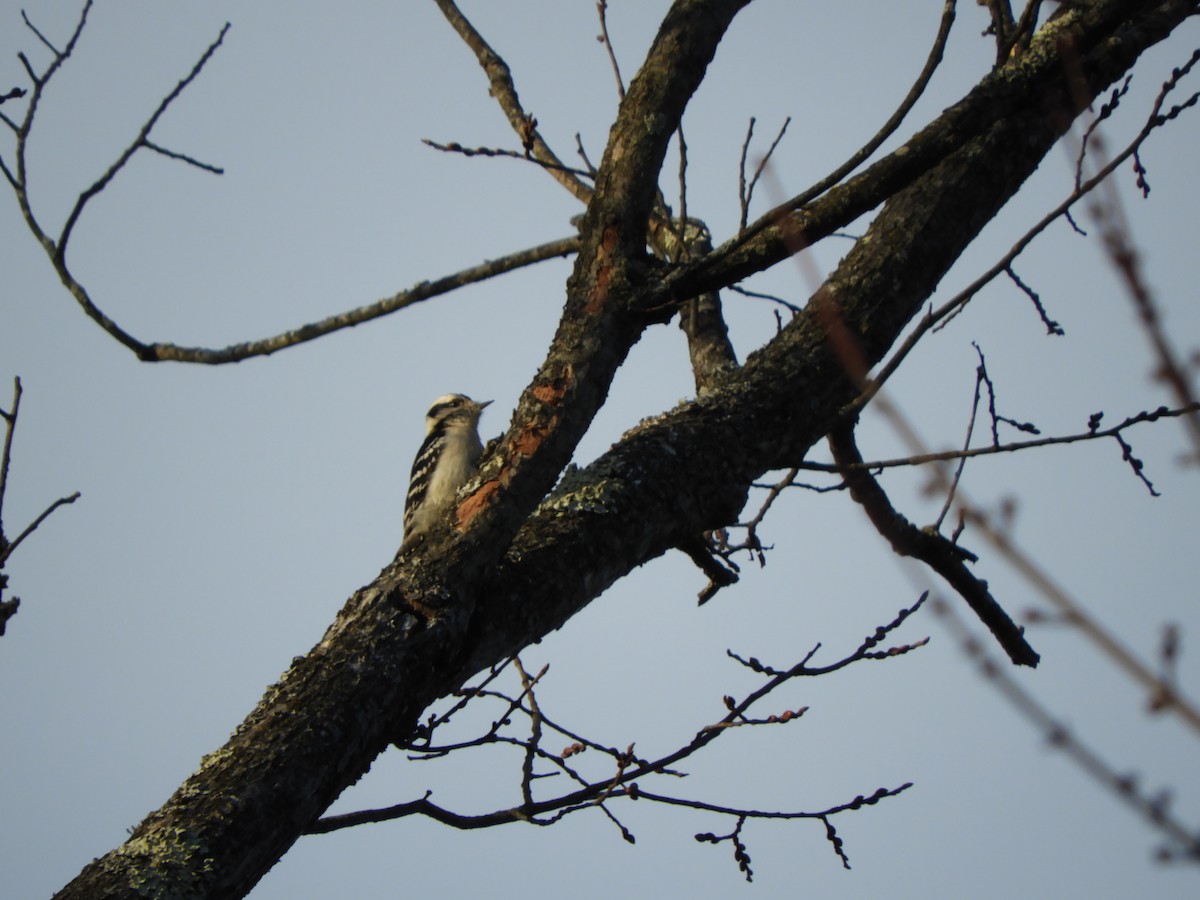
482, 403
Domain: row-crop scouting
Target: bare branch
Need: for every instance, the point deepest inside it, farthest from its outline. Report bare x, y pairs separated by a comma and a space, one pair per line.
7, 548
982, 375
32, 527
962, 462
937, 317
587, 163
502, 88
182, 157
746, 292
1019, 36
535, 737
746, 190
942, 456
140, 141
1052, 327
629, 766
423, 291
602, 10
41, 37
773, 236
1002, 27
719, 576
682, 246
455, 147
742, 187
944, 557
56, 249
8, 608
932, 61
10, 422
752, 542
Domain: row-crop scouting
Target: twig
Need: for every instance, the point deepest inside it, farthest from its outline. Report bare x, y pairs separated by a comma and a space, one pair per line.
746, 190
746, 292
1052, 327
1021, 33
932, 61
1106, 110
917, 459
32, 527
602, 10
10, 422
465, 695
981, 375
587, 163
535, 737
419, 292
56, 248
502, 88
41, 37
1002, 27
140, 141
962, 461
8, 608
949, 309
752, 542
630, 767
683, 247
182, 157
455, 147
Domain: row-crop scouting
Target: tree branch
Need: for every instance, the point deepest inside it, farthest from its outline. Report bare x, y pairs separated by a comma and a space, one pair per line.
425, 290
1038, 73
138, 143
8, 608
502, 88
1093, 433
630, 767
951, 308
943, 556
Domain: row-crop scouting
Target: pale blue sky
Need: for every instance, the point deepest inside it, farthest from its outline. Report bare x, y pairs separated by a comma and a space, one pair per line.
228, 512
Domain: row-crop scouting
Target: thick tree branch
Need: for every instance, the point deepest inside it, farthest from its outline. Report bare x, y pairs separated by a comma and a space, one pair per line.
1102, 41
602, 317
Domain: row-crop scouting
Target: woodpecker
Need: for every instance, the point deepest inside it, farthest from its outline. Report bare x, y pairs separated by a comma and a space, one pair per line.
448, 456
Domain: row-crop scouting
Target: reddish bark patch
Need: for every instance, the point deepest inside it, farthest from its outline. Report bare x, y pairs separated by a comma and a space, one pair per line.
475, 504
550, 394
527, 443
599, 293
